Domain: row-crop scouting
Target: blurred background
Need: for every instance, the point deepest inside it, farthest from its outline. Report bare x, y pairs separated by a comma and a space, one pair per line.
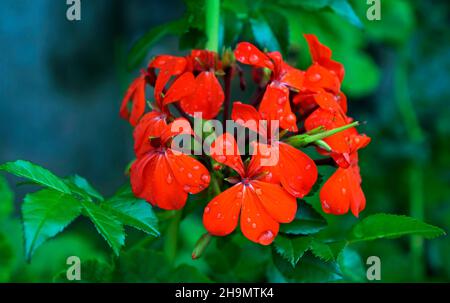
61, 84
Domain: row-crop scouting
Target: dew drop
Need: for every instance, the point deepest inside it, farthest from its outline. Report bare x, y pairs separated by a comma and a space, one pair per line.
281, 100
189, 175
207, 210
308, 167
254, 225
290, 118
258, 191
169, 179
186, 188
205, 178
249, 220
344, 190
196, 167
315, 77
253, 59
181, 169
266, 237
325, 205
219, 216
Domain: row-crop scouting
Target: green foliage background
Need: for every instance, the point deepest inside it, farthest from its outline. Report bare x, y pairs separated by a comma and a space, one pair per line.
397, 75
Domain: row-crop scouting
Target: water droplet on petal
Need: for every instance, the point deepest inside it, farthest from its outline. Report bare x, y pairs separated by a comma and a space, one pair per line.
254, 225
249, 220
253, 59
325, 205
315, 77
181, 169
258, 191
189, 175
291, 118
266, 237
219, 216
205, 178
308, 166
207, 210
196, 167
186, 188
344, 190
282, 100
169, 179
221, 158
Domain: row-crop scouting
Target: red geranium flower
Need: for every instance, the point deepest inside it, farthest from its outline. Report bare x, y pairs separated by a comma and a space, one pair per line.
161, 175
135, 94
282, 79
295, 170
261, 205
342, 191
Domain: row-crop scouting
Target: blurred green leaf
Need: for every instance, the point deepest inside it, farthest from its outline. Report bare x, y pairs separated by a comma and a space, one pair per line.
132, 211
6, 199
280, 28
291, 248
351, 265
36, 174
142, 265
391, 226
188, 274
344, 9
263, 34
230, 28
307, 221
106, 224
92, 271
45, 214
6, 258
141, 48
83, 185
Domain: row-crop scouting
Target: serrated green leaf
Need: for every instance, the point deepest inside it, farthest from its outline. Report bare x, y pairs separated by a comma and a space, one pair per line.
45, 214
106, 224
321, 250
132, 211
141, 48
391, 226
308, 270
36, 174
80, 183
291, 248
6, 199
307, 221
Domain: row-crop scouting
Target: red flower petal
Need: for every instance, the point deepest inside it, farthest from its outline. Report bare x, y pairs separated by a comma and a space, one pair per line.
256, 224
152, 124
182, 87
322, 55
220, 217
207, 98
341, 192
278, 203
247, 53
225, 150
152, 179
328, 101
135, 94
318, 78
275, 106
188, 172
297, 172
246, 115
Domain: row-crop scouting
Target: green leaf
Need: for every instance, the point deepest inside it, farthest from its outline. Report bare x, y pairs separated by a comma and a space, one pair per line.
188, 274
106, 224
132, 211
351, 265
142, 265
321, 250
307, 221
79, 183
344, 9
263, 34
141, 48
193, 38
280, 28
391, 226
6, 258
92, 271
45, 214
6, 199
305, 4
35, 174
308, 270
291, 248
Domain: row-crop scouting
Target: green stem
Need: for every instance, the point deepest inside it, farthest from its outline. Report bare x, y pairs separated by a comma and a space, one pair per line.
212, 24
415, 180
170, 245
305, 139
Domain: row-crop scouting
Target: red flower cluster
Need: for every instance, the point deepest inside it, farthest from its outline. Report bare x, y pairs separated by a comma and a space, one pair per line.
261, 195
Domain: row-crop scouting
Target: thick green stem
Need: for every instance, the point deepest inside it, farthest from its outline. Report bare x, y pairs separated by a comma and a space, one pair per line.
415, 180
212, 24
